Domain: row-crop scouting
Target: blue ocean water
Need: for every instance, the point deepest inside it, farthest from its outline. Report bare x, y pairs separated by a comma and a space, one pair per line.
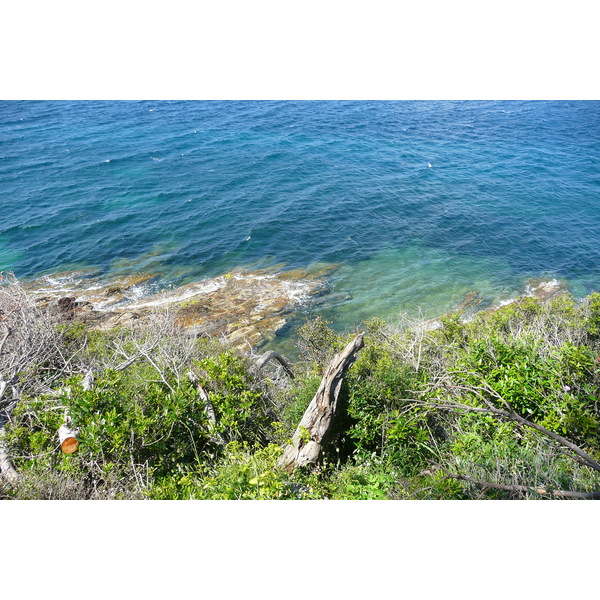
419, 202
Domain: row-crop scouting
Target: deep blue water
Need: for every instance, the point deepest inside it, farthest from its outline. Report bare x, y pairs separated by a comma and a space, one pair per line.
420, 201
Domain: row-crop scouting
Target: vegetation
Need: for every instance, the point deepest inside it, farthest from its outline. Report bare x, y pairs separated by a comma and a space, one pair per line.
504, 406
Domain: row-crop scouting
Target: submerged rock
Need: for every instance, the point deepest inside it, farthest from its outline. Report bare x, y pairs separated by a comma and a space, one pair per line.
471, 301
542, 289
244, 307
90, 286
475, 302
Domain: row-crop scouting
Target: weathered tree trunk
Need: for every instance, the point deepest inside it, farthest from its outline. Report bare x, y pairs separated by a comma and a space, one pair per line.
314, 430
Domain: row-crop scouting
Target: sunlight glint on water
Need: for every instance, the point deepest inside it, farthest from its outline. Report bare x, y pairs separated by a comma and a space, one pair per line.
420, 202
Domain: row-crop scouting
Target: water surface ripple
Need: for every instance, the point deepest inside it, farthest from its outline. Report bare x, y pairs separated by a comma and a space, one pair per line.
419, 201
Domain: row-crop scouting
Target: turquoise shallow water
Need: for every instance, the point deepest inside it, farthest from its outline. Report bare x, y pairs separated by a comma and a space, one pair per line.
420, 202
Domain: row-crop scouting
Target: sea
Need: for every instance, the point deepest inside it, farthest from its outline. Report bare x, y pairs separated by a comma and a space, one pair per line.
415, 203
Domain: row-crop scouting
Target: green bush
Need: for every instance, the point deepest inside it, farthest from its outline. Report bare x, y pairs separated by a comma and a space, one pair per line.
134, 426
243, 473
317, 343
593, 321
242, 412
145, 431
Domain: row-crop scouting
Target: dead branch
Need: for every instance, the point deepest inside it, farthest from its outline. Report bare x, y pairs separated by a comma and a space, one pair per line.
142, 352
161, 342
208, 409
147, 356
531, 489
513, 416
269, 355
6, 334
7, 471
314, 429
88, 380
29, 337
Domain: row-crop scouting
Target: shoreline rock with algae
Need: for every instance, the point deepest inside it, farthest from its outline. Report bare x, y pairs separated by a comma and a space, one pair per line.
245, 307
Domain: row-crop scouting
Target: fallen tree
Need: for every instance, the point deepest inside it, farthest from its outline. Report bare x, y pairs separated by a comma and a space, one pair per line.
314, 430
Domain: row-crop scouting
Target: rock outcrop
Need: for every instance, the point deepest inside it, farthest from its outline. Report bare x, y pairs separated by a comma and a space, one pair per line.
245, 307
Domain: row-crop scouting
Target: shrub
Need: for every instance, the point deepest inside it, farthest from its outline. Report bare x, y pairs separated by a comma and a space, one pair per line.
243, 473
317, 343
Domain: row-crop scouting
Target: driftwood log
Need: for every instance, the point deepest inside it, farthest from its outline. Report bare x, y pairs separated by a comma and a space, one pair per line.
67, 434
315, 428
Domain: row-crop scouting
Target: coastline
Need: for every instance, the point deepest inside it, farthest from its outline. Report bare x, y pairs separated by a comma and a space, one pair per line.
247, 307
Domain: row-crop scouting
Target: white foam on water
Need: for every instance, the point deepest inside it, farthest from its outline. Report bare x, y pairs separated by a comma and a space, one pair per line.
298, 292
137, 292
549, 285
506, 302
184, 294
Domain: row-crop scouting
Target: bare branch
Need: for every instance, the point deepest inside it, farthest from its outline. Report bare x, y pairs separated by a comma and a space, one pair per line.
513, 416
269, 355
208, 408
7, 471
147, 356
4, 338
29, 338
528, 489
88, 380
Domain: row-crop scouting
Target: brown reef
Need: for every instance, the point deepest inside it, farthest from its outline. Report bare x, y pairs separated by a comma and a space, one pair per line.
245, 307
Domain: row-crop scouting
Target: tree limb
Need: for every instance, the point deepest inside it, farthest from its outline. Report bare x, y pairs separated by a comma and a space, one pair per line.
7, 471
4, 338
269, 355
88, 380
208, 409
524, 488
513, 416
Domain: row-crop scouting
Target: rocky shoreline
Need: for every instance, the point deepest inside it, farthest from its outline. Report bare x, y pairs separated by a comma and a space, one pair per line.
246, 307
